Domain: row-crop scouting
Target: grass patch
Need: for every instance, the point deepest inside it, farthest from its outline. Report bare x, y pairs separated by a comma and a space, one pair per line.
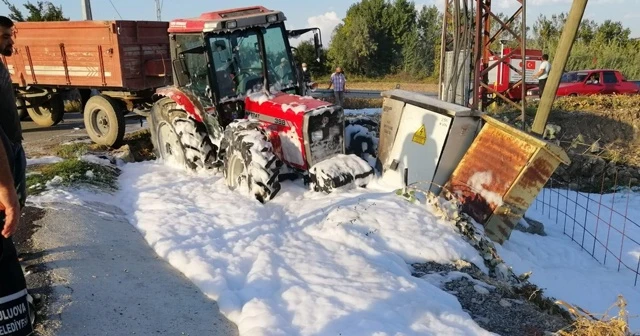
587, 324
383, 86
74, 150
140, 145
358, 103
72, 172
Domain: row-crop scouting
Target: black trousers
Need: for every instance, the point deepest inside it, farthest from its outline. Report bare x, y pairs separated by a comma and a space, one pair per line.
541, 85
14, 308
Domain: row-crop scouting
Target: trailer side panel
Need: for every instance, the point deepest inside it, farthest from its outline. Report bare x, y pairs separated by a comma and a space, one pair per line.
93, 54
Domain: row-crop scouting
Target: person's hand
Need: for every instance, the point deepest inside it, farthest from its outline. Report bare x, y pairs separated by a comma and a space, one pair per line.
9, 204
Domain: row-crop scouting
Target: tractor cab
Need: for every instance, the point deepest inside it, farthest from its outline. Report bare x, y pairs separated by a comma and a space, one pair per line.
220, 57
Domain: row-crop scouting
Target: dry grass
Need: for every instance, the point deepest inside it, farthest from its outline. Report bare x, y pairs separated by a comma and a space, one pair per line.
382, 86
587, 324
357, 103
599, 102
72, 106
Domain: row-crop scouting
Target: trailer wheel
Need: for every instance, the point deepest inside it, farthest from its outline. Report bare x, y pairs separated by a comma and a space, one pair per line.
49, 113
22, 109
104, 121
249, 161
179, 139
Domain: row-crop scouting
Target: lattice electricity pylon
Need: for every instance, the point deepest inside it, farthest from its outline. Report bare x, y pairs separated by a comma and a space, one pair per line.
488, 28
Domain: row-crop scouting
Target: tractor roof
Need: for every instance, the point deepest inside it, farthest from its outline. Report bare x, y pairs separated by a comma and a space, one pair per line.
227, 20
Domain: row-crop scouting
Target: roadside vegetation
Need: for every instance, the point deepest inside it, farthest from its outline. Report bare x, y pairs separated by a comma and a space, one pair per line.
588, 324
72, 172
88, 164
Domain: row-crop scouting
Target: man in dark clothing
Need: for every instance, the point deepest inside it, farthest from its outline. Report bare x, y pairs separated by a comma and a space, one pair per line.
306, 76
14, 300
9, 118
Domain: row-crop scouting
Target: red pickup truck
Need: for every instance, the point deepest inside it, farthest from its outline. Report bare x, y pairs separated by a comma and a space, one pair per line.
592, 82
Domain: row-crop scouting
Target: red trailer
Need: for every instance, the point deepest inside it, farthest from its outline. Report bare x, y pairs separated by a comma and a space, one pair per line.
125, 61
503, 77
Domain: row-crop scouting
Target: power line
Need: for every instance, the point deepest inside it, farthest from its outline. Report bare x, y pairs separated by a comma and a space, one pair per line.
114, 8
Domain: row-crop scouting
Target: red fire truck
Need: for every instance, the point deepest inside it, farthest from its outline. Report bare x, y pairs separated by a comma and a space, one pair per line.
503, 77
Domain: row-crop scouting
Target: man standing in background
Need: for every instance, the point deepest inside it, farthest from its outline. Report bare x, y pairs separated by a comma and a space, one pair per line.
339, 83
13, 286
306, 76
543, 74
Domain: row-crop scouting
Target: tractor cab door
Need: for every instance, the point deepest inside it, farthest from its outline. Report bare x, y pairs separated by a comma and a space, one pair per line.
192, 67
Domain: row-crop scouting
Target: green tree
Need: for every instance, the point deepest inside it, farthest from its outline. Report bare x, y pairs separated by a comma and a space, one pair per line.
353, 47
363, 44
306, 53
587, 31
401, 23
422, 51
612, 32
40, 11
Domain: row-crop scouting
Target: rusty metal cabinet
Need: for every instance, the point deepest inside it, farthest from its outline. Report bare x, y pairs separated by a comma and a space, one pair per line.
501, 175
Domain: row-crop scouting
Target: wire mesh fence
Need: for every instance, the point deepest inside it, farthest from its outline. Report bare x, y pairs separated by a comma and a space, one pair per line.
606, 225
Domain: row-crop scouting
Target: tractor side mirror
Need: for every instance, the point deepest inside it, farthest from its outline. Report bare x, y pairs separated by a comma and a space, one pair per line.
181, 72
318, 46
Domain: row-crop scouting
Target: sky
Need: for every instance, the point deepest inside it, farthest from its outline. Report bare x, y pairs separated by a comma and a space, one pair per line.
326, 14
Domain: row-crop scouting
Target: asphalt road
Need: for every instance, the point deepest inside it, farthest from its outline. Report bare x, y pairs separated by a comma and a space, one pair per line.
39, 141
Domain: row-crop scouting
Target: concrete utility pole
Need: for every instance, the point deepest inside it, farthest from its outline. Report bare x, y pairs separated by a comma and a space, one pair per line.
159, 9
565, 44
86, 10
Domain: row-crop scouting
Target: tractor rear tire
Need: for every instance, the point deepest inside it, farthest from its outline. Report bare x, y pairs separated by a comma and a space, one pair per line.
249, 160
49, 113
104, 121
180, 139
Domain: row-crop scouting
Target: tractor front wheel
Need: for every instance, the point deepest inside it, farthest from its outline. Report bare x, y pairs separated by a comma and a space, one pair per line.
249, 161
179, 139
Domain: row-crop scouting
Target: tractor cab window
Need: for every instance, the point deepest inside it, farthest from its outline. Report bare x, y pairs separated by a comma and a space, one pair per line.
237, 62
195, 60
278, 61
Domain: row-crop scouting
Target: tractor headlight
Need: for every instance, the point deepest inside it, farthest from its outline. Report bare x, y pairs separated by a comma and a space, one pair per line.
529, 93
272, 18
231, 24
317, 136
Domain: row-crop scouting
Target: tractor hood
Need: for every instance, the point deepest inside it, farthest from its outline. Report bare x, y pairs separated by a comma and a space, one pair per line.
280, 102
319, 125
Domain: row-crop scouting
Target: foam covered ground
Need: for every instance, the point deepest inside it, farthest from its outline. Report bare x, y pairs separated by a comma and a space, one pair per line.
304, 264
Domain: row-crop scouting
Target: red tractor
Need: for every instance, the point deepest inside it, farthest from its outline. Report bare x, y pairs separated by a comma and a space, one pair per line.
238, 104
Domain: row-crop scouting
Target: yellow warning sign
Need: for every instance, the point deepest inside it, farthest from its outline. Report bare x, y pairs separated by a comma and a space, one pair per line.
420, 136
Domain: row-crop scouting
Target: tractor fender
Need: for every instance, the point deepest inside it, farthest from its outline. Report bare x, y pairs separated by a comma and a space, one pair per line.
185, 99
